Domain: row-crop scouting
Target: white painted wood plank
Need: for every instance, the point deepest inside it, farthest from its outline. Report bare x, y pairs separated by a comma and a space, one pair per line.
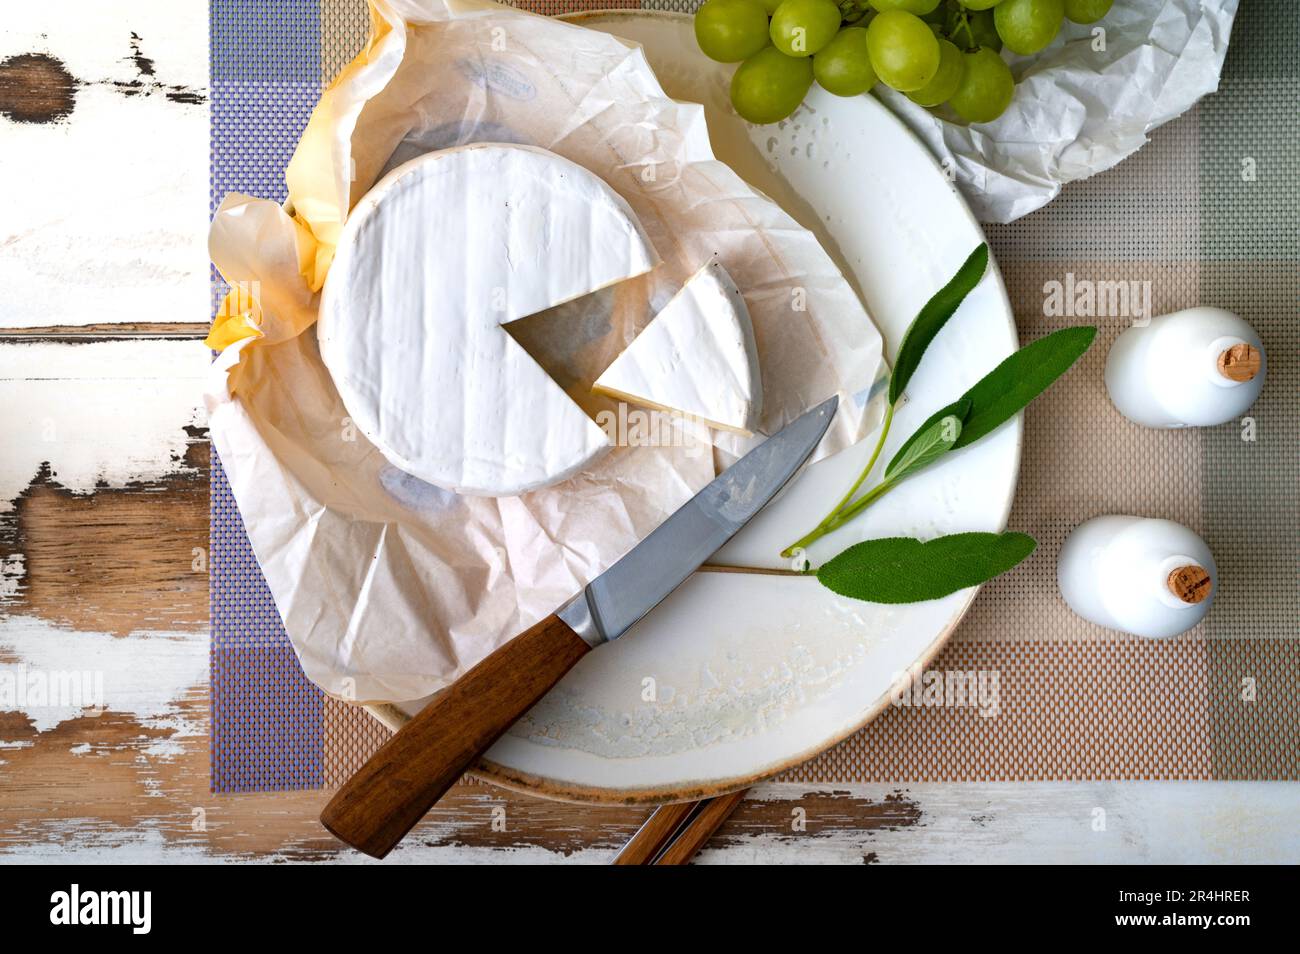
103, 213
1162, 822
102, 413
1146, 822
1159, 822
52, 674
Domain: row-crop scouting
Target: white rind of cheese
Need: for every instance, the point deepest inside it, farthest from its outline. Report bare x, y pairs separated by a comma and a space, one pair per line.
432, 262
696, 358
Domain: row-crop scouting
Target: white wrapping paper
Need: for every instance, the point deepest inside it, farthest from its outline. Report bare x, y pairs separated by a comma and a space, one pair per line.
1083, 104
389, 588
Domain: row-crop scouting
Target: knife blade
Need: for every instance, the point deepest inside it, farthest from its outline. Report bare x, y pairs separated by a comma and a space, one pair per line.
379, 804
660, 563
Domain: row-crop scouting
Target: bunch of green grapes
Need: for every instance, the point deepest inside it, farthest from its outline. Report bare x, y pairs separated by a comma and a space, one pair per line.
935, 51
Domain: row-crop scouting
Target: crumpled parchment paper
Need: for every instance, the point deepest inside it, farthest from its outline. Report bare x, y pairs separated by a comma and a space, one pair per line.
389, 588
1083, 104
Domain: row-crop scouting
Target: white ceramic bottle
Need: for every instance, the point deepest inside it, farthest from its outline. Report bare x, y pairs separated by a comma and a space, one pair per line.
1140, 575
1194, 368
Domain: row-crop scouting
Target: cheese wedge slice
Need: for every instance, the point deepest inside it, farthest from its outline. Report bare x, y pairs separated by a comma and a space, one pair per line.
696, 358
432, 262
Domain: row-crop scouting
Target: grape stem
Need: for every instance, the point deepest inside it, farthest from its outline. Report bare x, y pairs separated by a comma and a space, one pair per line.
853, 10
965, 25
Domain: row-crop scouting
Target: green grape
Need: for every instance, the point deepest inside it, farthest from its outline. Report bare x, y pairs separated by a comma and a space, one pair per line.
904, 50
770, 6
731, 30
986, 87
802, 27
919, 7
1027, 26
946, 79
980, 4
1087, 11
842, 66
983, 32
769, 86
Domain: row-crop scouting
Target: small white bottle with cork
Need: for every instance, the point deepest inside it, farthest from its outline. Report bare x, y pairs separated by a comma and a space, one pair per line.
1140, 575
1194, 368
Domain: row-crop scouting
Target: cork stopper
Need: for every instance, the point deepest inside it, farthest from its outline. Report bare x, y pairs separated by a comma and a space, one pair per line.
1239, 363
1191, 583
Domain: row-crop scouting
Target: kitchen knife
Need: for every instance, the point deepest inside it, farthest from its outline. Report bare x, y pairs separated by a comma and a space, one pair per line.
375, 808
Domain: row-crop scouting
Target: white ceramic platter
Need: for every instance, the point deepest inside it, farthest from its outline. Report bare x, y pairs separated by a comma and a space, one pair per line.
737, 676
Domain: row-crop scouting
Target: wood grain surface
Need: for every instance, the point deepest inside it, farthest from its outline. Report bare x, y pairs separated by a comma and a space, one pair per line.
650, 839
375, 808
711, 816
103, 540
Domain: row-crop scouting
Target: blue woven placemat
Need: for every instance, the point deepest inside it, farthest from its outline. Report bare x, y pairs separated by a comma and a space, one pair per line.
267, 724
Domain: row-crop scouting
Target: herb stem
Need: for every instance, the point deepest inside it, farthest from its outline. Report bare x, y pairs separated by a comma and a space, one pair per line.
870, 497
934, 314
875, 454
825, 527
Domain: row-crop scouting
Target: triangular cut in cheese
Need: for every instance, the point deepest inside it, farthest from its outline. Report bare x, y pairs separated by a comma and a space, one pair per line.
696, 358
431, 263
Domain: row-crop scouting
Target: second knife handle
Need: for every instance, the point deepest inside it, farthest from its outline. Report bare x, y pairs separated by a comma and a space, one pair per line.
378, 805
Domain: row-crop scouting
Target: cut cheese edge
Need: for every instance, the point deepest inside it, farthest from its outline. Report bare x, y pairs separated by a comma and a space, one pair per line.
696, 358
439, 255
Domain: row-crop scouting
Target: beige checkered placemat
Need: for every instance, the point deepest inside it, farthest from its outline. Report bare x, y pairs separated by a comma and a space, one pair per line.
1187, 220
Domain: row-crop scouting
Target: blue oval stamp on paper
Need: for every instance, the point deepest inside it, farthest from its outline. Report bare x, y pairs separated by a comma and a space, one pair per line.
413, 493
498, 77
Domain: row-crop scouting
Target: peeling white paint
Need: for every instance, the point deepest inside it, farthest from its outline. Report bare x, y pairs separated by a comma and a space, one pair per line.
11, 574
104, 413
173, 746
117, 231
1163, 822
144, 675
92, 841
1145, 822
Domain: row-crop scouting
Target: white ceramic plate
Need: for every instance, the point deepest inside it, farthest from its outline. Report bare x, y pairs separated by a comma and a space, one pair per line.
737, 676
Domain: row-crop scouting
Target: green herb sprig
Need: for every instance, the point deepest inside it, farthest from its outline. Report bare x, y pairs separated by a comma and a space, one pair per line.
904, 570
931, 319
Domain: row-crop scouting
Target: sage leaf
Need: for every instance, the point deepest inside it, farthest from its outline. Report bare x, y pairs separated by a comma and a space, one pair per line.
996, 398
932, 317
957, 409
929, 445
906, 570
1007, 389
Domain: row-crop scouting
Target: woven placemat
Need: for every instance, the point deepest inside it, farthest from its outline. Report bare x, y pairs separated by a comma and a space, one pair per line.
1205, 213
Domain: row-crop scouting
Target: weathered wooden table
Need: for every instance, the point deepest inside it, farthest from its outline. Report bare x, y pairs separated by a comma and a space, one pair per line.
104, 529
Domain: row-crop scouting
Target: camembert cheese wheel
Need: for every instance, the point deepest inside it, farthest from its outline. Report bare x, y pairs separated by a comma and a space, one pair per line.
432, 262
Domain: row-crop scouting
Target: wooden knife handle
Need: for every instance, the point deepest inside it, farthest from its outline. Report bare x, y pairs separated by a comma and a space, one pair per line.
378, 805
